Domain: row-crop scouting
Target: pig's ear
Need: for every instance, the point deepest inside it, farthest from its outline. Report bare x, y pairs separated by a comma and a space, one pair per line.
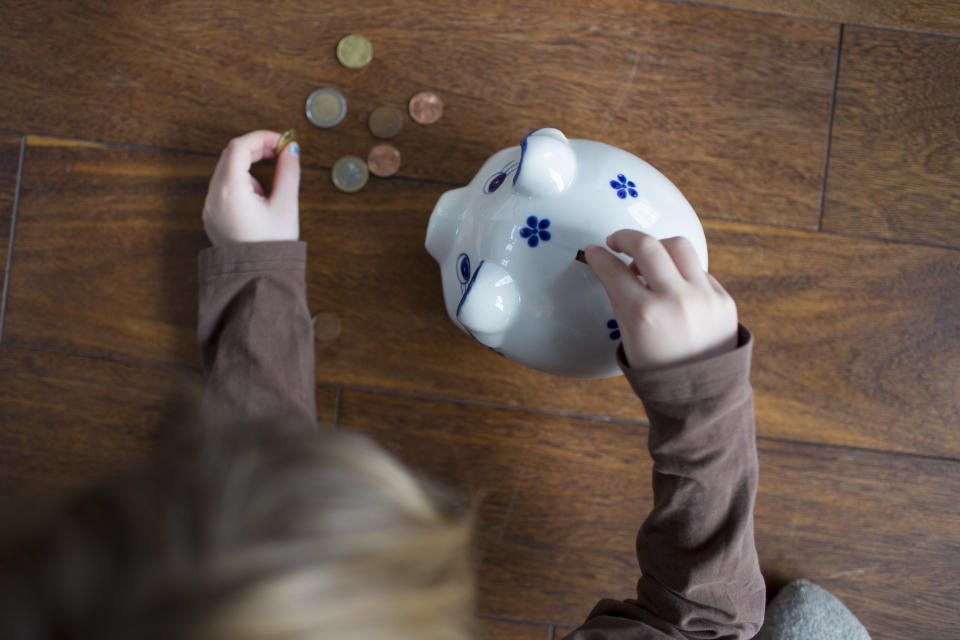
442, 228
547, 163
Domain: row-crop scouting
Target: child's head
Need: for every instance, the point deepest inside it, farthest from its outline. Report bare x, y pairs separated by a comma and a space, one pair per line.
251, 536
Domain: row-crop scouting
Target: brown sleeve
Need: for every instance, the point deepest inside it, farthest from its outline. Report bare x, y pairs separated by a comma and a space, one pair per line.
255, 333
700, 573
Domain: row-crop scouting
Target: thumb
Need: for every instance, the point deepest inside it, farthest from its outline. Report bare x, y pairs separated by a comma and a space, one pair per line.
286, 181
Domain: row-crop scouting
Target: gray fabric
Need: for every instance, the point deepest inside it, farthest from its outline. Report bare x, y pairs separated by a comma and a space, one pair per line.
804, 611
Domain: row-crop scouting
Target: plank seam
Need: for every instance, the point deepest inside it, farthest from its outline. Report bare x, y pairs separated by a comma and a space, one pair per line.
833, 108
540, 623
13, 229
789, 16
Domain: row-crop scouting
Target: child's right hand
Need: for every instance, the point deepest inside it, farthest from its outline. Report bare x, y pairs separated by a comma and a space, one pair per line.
680, 315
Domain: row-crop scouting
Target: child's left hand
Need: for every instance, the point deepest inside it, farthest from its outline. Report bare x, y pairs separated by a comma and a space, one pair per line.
236, 208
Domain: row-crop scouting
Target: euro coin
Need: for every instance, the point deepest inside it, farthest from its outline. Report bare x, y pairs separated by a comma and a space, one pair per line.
385, 122
350, 174
285, 139
326, 108
426, 107
354, 52
383, 160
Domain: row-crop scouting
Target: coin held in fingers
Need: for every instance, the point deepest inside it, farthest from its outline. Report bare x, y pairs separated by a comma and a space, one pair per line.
426, 107
285, 139
383, 160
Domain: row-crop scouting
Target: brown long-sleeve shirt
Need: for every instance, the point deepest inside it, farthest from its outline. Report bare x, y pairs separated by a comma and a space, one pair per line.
699, 572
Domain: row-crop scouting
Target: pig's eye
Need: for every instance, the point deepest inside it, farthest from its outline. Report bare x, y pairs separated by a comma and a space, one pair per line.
463, 268
494, 182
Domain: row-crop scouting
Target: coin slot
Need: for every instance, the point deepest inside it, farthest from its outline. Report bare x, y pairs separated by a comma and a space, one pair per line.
581, 256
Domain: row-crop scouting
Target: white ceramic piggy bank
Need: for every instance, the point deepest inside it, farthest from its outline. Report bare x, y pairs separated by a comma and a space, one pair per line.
508, 242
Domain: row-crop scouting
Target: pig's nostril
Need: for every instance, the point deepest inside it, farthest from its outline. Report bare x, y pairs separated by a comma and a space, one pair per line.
581, 256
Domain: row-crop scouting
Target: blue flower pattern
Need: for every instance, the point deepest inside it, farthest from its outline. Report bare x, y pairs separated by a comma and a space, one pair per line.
615, 333
623, 186
535, 231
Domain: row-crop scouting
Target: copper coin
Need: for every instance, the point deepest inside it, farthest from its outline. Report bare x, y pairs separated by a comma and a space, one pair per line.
326, 326
384, 160
385, 122
426, 107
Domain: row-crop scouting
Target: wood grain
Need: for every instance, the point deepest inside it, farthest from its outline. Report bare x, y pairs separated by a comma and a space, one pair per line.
940, 16
857, 340
564, 498
69, 421
9, 171
491, 629
895, 151
733, 107
106, 251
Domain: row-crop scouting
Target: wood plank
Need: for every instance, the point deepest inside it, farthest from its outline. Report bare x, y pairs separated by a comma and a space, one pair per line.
939, 16
564, 498
105, 259
857, 340
733, 107
69, 421
893, 169
9, 171
492, 629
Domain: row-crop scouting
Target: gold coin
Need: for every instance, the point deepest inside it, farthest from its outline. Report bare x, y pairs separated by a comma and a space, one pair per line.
350, 174
383, 160
285, 139
354, 52
326, 108
426, 107
385, 122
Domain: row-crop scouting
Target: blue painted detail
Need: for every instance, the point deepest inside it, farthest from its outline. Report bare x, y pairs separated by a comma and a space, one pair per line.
463, 268
523, 150
623, 187
535, 231
496, 181
469, 286
612, 324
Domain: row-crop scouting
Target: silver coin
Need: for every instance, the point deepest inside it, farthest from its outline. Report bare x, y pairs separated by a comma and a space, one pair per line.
350, 174
326, 108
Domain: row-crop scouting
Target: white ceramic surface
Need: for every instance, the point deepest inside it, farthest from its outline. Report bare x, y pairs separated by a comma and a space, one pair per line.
507, 246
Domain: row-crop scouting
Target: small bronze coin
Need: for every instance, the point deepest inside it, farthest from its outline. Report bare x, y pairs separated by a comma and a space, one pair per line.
285, 139
383, 160
326, 326
426, 107
354, 52
385, 122
350, 174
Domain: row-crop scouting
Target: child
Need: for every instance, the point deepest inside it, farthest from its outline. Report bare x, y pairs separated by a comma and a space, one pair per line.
271, 529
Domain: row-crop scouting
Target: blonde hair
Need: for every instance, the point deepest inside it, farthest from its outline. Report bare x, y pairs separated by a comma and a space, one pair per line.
248, 535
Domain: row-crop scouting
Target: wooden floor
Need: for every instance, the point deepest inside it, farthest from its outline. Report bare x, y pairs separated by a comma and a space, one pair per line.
820, 143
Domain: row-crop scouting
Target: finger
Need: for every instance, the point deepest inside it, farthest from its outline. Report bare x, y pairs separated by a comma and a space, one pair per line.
686, 259
655, 264
716, 285
256, 186
617, 278
286, 180
242, 152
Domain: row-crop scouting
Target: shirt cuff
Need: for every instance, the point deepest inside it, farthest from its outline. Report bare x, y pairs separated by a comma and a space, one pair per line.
253, 257
693, 380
